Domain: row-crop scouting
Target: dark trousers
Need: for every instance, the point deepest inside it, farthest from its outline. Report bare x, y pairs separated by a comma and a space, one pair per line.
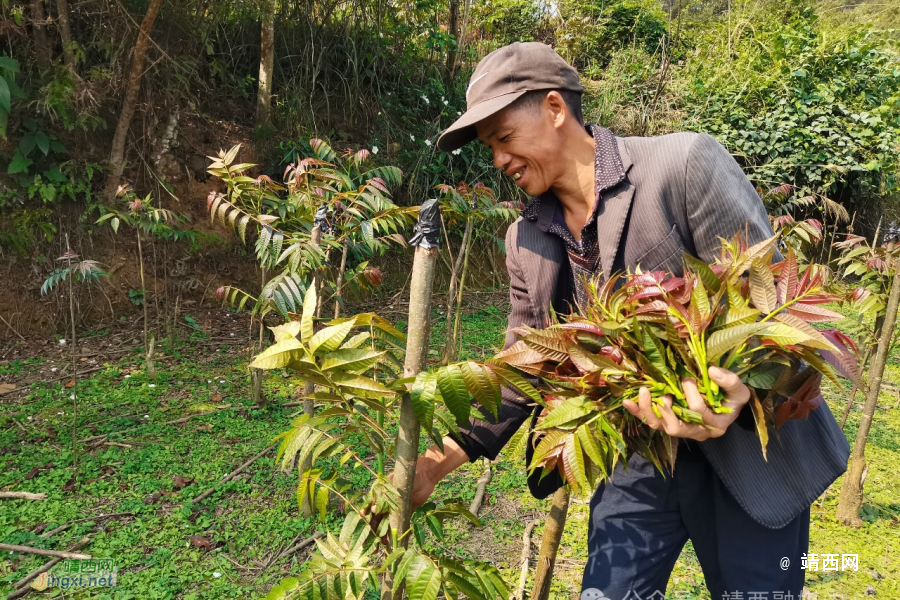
641, 520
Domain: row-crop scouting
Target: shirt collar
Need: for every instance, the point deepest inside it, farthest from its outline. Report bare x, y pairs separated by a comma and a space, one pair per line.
608, 173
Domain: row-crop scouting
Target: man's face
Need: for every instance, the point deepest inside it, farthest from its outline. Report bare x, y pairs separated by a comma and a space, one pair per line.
524, 144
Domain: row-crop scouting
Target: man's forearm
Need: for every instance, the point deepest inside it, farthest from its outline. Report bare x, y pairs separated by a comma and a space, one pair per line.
433, 466
436, 465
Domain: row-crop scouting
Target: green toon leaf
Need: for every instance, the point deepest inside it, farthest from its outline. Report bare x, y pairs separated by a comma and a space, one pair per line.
330, 338
307, 326
423, 582
278, 355
351, 359
571, 410
729, 338
454, 393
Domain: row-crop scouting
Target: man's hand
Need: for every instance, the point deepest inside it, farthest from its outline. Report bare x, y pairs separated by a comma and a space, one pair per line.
433, 466
736, 396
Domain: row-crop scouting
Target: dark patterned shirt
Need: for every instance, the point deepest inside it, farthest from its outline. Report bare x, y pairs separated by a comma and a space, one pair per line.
584, 255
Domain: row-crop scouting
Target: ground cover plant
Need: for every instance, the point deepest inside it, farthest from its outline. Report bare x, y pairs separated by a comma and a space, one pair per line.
249, 520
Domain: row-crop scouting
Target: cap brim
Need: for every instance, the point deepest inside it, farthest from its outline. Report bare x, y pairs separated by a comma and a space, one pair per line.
463, 130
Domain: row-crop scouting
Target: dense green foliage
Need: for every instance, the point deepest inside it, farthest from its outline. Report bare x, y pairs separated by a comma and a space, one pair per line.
803, 92
801, 103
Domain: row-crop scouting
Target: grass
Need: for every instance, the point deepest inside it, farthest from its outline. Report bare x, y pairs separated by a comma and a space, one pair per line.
249, 519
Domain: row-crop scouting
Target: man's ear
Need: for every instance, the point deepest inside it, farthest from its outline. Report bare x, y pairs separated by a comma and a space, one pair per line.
556, 106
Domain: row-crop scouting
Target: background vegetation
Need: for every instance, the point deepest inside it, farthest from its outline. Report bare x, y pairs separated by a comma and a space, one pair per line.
115, 322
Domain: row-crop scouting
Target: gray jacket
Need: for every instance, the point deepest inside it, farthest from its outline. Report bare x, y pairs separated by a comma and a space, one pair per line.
682, 193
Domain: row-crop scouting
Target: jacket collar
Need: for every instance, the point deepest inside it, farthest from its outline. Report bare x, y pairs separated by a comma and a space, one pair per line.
612, 163
611, 166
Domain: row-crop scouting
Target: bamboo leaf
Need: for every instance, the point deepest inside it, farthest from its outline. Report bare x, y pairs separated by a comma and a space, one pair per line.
231, 154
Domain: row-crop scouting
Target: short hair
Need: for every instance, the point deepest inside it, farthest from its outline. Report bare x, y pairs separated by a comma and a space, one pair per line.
531, 100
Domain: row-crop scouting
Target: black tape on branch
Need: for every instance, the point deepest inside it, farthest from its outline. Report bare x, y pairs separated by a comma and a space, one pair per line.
321, 218
427, 232
892, 233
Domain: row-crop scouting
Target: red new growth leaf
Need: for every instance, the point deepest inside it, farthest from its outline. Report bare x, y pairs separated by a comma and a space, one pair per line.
799, 405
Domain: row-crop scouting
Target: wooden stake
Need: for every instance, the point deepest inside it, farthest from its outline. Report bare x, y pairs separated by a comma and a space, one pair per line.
407, 447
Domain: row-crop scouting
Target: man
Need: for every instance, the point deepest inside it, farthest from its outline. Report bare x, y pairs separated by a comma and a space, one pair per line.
604, 204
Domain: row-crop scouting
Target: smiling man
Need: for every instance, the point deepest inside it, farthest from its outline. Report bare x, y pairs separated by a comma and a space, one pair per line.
604, 204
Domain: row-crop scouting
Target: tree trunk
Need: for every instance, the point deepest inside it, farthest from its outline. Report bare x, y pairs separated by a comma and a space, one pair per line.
266, 64
308, 388
38, 26
553, 530
449, 351
256, 375
74, 388
148, 339
65, 35
851, 497
454, 33
340, 280
407, 447
132, 88
454, 341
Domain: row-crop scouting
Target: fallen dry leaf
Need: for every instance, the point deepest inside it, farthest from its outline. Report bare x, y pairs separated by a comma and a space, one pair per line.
200, 541
153, 498
179, 482
217, 397
207, 428
5, 388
